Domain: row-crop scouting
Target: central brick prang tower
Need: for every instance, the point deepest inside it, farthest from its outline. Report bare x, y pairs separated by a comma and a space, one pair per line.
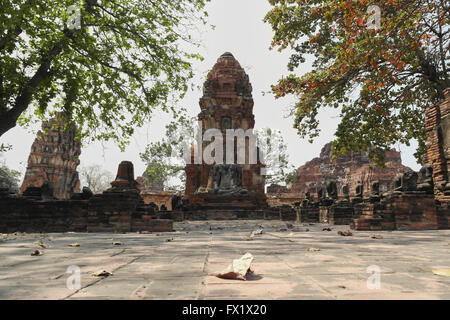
227, 103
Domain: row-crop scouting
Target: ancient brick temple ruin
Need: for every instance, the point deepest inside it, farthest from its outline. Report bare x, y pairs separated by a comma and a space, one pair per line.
350, 169
225, 189
54, 158
417, 200
351, 190
347, 191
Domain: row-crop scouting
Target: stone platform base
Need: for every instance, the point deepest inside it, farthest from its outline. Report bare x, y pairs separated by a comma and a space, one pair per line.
205, 206
210, 201
277, 213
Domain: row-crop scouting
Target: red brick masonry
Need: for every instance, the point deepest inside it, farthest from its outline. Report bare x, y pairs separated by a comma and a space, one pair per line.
101, 213
437, 156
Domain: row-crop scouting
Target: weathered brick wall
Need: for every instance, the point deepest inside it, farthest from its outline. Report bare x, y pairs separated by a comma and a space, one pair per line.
109, 212
443, 214
402, 211
309, 215
364, 223
18, 214
413, 211
340, 214
367, 216
287, 213
435, 142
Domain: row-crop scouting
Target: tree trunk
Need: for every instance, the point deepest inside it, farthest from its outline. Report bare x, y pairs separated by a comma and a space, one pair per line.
8, 119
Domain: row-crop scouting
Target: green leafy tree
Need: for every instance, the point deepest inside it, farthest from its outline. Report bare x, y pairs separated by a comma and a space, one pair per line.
381, 73
9, 178
106, 64
11, 174
165, 158
275, 156
290, 177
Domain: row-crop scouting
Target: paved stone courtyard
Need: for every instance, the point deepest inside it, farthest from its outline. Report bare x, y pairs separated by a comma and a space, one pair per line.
182, 264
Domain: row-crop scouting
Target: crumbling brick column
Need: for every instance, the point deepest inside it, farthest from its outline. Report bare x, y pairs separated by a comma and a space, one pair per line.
437, 120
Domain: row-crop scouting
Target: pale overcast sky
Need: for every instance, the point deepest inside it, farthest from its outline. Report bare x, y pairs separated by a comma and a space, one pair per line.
241, 31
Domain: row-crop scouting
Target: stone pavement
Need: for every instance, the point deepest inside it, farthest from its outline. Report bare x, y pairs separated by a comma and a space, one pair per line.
182, 264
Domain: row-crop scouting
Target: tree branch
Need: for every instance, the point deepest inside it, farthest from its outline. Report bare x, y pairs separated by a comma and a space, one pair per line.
9, 119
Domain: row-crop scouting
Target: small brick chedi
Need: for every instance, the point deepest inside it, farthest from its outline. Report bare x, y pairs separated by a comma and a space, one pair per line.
226, 104
54, 158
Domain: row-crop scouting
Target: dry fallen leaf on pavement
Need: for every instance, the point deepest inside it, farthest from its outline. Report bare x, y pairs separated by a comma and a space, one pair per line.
36, 253
345, 233
314, 249
239, 268
102, 273
250, 237
442, 272
39, 243
376, 236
